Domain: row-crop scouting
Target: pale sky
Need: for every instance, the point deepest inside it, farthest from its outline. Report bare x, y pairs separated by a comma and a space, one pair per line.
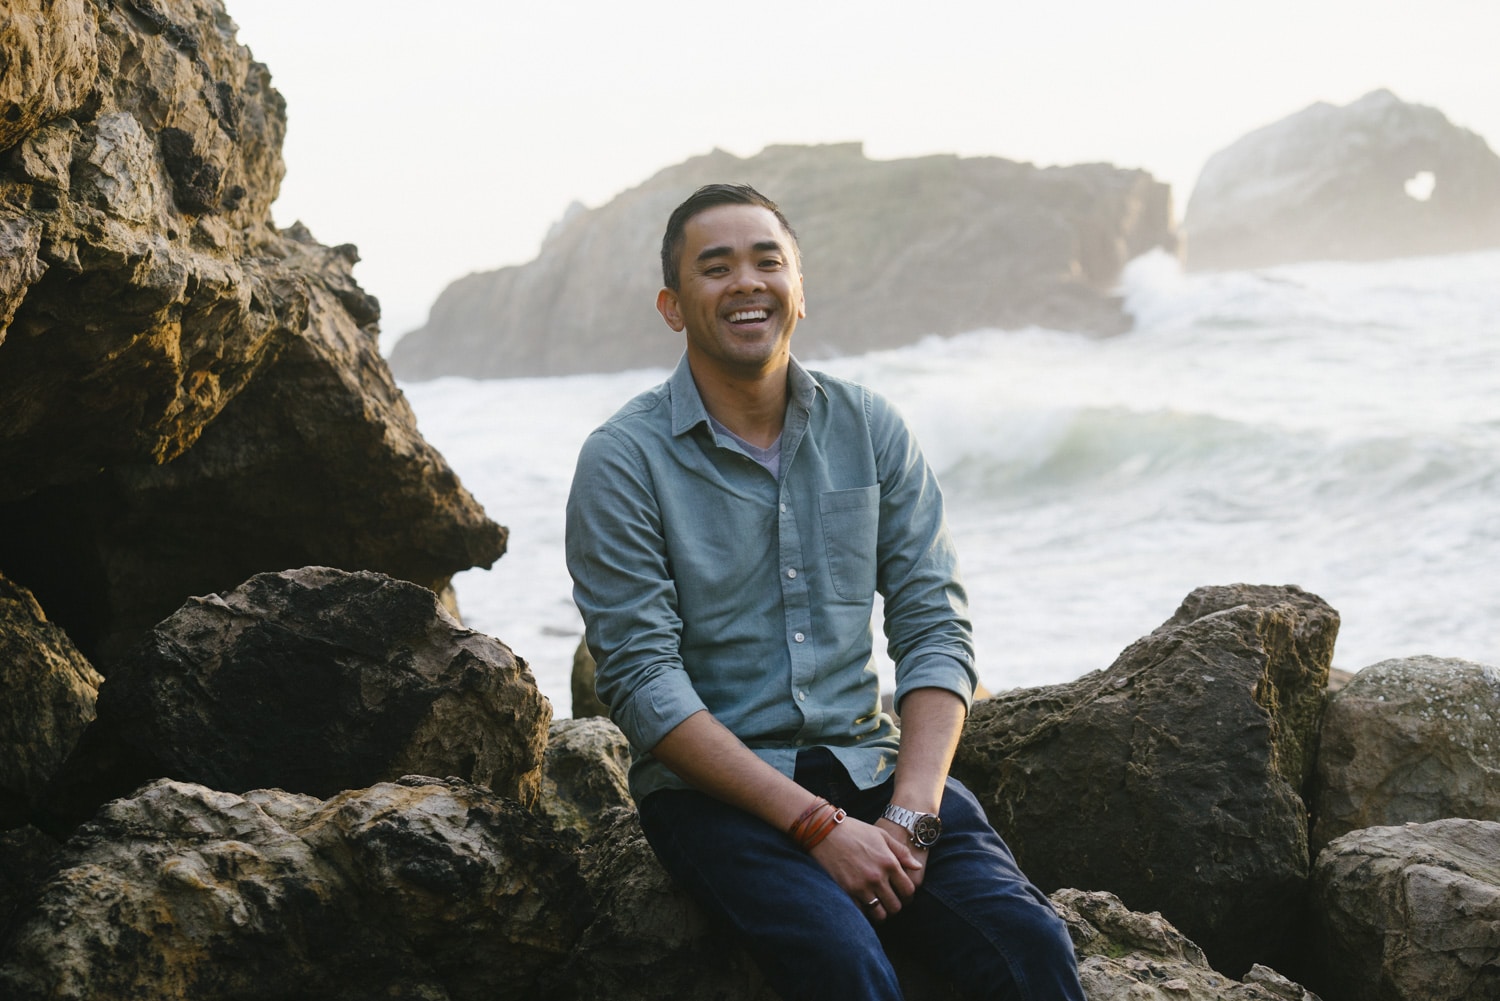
447, 137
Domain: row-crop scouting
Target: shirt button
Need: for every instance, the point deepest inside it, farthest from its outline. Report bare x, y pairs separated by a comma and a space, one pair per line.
798, 637
801, 696
792, 573
783, 509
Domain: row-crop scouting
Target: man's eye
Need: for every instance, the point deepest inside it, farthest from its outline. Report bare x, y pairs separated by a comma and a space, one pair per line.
771, 262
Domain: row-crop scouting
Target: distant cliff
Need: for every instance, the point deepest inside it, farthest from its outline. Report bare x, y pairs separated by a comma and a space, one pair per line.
892, 251
1374, 179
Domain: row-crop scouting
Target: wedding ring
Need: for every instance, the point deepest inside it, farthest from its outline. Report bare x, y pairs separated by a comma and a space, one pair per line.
872, 903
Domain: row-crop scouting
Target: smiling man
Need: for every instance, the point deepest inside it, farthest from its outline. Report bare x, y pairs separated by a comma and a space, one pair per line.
727, 533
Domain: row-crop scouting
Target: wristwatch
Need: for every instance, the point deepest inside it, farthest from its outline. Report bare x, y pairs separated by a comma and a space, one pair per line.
922, 828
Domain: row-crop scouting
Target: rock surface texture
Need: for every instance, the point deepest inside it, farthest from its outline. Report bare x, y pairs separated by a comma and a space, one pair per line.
1412, 913
47, 695
1409, 741
420, 889
893, 250
1124, 955
313, 681
191, 395
1331, 183
585, 775
1174, 778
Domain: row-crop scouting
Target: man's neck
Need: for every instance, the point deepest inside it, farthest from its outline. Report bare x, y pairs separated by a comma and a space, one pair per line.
752, 407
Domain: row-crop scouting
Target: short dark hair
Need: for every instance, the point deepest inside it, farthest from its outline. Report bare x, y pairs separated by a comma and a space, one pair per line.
704, 198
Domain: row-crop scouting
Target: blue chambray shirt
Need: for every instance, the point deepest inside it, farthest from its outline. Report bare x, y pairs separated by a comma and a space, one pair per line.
706, 584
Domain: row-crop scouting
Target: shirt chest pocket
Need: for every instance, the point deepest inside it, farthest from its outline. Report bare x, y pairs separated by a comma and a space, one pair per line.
851, 529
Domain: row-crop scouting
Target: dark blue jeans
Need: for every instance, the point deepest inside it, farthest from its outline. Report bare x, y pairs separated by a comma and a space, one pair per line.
976, 921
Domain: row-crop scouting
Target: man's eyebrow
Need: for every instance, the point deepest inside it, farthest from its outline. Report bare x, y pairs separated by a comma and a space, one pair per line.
708, 253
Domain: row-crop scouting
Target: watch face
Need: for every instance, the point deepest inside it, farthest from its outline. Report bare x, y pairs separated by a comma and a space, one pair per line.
926, 830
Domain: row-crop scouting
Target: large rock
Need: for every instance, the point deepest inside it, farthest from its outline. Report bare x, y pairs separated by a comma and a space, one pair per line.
1408, 741
420, 889
191, 395
47, 694
1412, 913
585, 775
1331, 183
1174, 778
1124, 955
894, 251
313, 681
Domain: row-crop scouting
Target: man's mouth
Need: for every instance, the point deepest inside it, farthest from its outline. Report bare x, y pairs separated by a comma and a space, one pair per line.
748, 316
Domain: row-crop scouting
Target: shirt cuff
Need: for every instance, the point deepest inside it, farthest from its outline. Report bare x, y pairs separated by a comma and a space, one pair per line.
938, 670
657, 707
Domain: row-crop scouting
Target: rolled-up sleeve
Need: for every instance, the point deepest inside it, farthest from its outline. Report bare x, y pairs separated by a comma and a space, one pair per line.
616, 553
928, 633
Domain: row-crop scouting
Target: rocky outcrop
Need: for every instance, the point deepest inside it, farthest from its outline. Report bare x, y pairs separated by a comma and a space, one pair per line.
435, 889
47, 695
191, 395
893, 251
1412, 913
586, 701
1331, 183
585, 775
415, 889
1174, 778
1124, 955
313, 681
1409, 741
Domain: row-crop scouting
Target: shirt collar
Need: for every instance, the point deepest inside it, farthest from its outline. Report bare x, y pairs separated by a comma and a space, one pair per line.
688, 410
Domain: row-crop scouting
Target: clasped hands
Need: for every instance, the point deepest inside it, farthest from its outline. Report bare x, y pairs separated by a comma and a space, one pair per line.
875, 864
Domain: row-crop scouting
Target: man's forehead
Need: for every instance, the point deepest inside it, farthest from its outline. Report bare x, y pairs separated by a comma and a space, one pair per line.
736, 224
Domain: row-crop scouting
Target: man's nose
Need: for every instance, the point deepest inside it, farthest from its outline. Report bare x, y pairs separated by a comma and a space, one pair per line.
748, 279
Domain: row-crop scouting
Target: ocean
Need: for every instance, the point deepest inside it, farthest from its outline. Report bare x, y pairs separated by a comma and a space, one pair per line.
1333, 425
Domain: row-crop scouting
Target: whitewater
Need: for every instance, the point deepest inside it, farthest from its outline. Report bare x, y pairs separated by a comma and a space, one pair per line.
1334, 426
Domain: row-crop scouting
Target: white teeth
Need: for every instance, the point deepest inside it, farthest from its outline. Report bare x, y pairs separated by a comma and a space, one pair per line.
748, 314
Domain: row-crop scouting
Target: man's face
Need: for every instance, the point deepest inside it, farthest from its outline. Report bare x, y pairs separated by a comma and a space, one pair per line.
739, 293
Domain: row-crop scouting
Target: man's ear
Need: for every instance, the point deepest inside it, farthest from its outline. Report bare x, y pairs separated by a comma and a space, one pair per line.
801, 298
666, 305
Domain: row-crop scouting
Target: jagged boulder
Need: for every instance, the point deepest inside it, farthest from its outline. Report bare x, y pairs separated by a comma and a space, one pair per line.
314, 681
1409, 741
47, 695
418, 889
585, 775
1411, 913
988, 242
586, 701
1373, 179
1124, 955
191, 395
1174, 778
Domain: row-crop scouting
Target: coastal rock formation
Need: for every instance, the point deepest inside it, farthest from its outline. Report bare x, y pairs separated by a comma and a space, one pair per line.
415, 889
1124, 955
313, 681
893, 250
191, 395
586, 701
1373, 179
47, 695
1412, 913
425, 888
1175, 777
585, 774
1409, 741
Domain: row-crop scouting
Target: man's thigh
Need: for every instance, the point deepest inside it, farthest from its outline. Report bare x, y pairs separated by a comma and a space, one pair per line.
807, 936
979, 921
